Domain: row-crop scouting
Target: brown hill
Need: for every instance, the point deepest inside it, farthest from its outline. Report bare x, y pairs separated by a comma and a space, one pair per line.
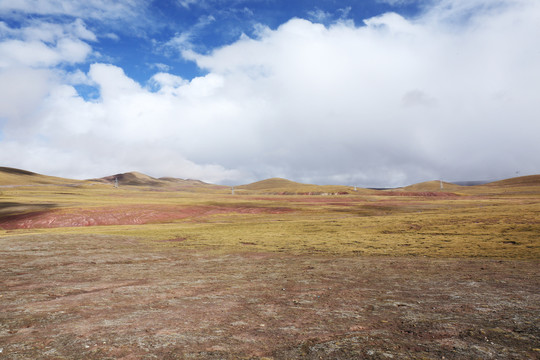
134, 178
191, 182
434, 185
288, 187
16, 177
269, 184
523, 184
530, 180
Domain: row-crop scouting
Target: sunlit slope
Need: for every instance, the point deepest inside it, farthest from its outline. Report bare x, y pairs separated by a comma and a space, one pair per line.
13, 177
284, 186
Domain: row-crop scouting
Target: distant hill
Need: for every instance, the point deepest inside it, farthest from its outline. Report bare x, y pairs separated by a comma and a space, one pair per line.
132, 178
16, 177
288, 187
434, 185
138, 179
273, 183
184, 181
530, 180
523, 184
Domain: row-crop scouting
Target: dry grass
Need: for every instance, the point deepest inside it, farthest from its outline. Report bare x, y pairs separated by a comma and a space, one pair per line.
406, 274
105, 297
481, 221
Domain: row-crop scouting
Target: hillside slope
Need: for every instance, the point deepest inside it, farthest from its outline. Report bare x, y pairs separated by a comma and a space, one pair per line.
165, 183
434, 185
269, 184
284, 186
16, 177
530, 180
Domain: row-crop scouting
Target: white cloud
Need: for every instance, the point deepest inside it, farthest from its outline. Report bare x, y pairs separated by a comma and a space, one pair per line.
318, 15
388, 103
78, 28
21, 92
112, 36
43, 44
113, 82
97, 9
184, 41
397, 2
188, 3
161, 67
417, 98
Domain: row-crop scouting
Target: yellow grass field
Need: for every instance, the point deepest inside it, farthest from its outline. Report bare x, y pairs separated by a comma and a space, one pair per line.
497, 220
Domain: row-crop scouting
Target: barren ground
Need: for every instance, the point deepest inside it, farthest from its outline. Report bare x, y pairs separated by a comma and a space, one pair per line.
89, 296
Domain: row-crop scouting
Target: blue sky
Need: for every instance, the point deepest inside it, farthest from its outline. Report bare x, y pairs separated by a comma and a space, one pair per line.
367, 93
144, 41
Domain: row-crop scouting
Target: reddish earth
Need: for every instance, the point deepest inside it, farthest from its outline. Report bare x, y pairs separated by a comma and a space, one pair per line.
103, 297
122, 215
420, 193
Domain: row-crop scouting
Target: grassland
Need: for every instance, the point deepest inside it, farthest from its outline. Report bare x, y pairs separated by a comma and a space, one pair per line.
169, 268
495, 221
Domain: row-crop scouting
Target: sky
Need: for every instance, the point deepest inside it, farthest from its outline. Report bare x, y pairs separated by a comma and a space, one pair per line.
373, 93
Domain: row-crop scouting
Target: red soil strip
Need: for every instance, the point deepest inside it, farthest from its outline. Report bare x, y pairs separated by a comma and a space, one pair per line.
419, 193
314, 199
123, 215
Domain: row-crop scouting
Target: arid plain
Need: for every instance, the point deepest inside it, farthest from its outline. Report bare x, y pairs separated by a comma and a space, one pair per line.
173, 269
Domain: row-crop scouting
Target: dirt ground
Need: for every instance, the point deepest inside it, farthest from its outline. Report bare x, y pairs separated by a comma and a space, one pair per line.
104, 297
122, 215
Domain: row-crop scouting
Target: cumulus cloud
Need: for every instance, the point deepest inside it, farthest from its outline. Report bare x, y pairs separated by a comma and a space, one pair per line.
42, 44
388, 102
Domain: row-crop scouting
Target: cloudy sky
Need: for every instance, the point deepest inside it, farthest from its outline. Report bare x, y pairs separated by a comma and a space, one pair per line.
364, 92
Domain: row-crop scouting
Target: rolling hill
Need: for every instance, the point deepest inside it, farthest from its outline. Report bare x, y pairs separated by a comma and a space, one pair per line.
170, 183
288, 187
530, 180
132, 178
273, 183
17, 177
434, 185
